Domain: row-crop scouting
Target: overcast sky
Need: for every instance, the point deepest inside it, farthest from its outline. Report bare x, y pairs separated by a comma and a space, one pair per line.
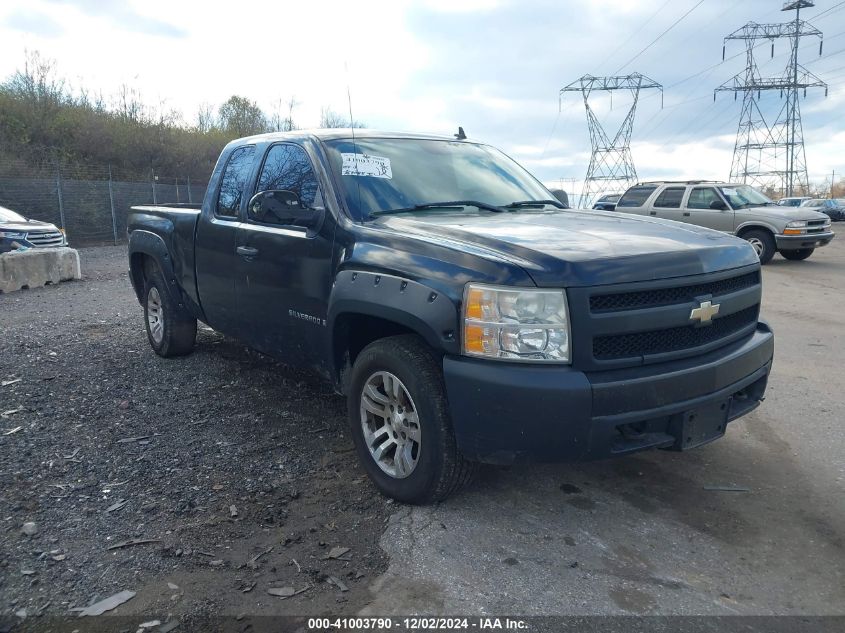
494, 67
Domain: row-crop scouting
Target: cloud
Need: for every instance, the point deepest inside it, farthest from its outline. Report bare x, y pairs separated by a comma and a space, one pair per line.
123, 16
33, 22
492, 66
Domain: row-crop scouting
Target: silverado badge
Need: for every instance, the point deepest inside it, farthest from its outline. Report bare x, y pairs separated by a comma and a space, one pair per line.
704, 312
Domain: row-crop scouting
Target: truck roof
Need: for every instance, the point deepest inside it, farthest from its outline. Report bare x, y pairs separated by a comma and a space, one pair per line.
331, 134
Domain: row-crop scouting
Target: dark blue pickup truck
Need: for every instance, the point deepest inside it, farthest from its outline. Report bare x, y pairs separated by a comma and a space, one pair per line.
465, 315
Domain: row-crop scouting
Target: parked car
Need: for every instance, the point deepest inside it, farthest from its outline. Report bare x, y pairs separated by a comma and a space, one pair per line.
834, 208
16, 231
607, 202
463, 313
733, 208
792, 202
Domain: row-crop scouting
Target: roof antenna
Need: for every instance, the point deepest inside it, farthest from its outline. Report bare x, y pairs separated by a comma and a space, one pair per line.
460, 135
352, 128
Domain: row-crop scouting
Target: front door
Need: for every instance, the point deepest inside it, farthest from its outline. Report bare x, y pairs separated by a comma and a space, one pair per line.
284, 272
698, 210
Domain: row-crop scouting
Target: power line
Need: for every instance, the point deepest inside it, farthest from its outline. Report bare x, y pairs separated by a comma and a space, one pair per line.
835, 7
656, 39
634, 34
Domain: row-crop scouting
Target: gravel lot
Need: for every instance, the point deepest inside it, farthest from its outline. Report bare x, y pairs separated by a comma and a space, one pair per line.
241, 475
216, 458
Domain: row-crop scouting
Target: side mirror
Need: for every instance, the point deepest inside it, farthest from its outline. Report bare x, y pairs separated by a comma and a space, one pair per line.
718, 205
281, 207
560, 194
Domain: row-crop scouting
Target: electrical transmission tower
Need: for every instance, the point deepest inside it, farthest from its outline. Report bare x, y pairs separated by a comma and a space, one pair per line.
766, 154
611, 164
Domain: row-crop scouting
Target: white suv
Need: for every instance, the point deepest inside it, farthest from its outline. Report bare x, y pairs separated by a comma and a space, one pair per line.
733, 208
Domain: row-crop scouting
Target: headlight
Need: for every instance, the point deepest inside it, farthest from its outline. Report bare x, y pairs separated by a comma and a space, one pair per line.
797, 224
13, 235
519, 325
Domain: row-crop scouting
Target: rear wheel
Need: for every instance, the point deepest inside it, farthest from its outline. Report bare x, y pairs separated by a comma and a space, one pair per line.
170, 329
400, 423
798, 254
763, 243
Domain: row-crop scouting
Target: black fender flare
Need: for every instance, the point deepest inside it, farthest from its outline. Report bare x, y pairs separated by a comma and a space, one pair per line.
151, 245
422, 309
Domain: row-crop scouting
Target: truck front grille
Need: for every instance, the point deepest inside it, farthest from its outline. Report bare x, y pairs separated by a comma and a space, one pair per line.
642, 322
45, 238
667, 296
621, 346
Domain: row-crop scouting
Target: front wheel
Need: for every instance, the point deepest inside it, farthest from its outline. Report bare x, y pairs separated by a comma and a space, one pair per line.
400, 423
763, 243
798, 254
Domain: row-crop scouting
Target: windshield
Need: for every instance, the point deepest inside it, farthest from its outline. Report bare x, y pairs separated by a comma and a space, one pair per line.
7, 215
744, 196
840, 202
379, 175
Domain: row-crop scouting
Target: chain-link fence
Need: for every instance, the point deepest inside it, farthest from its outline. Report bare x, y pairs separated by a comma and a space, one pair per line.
90, 203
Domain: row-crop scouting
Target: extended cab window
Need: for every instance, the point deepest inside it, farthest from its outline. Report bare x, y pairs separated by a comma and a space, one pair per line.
636, 196
670, 198
701, 197
234, 181
287, 168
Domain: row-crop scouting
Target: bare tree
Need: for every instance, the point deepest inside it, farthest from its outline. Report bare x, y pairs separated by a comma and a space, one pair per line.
205, 118
281, 121
129, 107
331, 119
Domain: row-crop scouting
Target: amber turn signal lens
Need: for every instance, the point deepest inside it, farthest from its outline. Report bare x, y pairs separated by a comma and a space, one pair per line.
473, 307
474, 338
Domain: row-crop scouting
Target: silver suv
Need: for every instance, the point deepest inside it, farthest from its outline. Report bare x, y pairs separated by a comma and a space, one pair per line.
733, 208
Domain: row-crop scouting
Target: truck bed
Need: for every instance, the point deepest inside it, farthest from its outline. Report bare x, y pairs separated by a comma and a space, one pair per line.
175, 224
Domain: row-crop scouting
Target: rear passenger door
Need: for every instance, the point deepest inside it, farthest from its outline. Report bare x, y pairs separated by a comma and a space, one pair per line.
698, 210
215, 241
668, 202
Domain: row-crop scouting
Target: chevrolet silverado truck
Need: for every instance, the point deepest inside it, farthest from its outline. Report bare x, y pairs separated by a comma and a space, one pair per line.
466, 315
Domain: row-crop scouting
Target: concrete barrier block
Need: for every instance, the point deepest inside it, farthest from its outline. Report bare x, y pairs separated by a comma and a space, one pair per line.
36, 267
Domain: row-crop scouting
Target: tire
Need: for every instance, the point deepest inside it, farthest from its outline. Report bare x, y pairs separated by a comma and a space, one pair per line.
763, 242
171, 331
426, 463
798, 254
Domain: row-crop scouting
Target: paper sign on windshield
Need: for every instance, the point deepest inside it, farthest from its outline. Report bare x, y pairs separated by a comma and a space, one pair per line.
365, 165
729, 192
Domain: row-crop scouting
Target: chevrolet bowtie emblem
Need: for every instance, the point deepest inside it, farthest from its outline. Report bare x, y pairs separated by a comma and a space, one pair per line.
705, 312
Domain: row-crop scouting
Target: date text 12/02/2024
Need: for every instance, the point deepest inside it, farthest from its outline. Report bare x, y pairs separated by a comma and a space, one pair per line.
417, 623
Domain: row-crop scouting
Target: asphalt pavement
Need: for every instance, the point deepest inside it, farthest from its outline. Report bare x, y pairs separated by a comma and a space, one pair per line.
648, 534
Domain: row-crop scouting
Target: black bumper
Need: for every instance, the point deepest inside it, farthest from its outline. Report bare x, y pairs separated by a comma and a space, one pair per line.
507, 412
792, 242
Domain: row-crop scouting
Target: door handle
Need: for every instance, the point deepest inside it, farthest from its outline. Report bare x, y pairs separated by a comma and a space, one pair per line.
246, 251
686, 214
653, 213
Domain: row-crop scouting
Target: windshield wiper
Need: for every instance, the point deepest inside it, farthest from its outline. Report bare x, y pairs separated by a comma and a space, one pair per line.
520, 204
440, 205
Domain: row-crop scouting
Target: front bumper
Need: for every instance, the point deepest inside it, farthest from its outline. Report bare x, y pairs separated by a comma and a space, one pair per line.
507, 412
792, 242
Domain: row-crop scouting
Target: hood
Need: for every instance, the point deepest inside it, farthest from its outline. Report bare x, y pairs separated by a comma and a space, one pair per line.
583, 248
787, 214
28, 225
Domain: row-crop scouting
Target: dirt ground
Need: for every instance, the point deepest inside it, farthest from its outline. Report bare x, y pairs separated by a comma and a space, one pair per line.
238, 473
